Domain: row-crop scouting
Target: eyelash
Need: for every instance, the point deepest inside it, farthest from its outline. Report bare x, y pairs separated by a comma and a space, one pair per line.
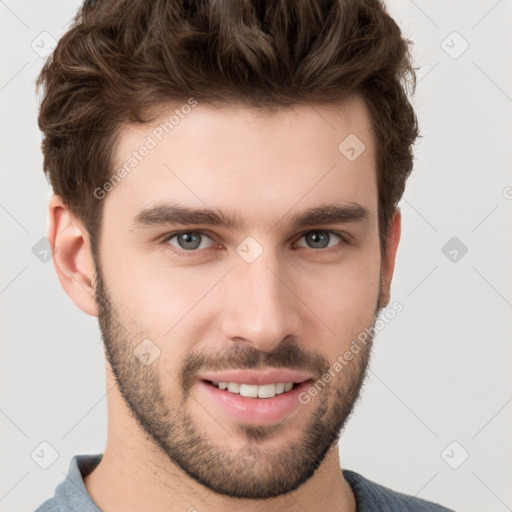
187, 254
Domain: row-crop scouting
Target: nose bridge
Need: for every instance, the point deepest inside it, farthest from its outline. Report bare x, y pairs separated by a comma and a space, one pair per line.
261, 309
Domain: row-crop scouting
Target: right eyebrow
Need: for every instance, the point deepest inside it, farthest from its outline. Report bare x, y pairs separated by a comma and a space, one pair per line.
164, 214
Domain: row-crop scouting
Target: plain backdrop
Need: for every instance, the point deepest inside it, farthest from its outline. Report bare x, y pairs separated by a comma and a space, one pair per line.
435, 415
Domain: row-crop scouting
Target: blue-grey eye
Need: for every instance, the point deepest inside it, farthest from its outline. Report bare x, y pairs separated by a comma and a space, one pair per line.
320, 239
189, 240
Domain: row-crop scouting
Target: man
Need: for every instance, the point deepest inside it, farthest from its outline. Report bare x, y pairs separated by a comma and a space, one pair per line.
226, 178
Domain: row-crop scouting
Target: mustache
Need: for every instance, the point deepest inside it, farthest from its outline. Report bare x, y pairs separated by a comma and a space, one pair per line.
287, 354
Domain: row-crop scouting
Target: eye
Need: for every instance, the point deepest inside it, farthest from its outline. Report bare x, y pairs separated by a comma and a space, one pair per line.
188, 241
320, 239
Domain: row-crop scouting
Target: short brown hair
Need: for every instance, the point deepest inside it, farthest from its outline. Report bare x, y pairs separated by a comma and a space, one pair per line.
123, 58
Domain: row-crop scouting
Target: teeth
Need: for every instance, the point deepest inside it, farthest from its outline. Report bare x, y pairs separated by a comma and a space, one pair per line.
266, 391
234, 387
249, 390
280, 388
254, 391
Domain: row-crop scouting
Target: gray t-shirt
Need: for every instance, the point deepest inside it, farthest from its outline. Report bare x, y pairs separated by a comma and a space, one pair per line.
72, 496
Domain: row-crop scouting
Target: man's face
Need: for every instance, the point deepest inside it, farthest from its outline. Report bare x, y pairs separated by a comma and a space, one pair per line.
183, 306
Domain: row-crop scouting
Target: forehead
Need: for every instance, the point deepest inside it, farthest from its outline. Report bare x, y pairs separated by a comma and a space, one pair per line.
236, 158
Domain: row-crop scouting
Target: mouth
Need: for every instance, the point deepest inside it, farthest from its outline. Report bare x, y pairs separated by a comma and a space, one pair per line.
256, 398
254, 390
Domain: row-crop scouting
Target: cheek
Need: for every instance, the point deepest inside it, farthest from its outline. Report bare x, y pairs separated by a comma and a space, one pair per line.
345, 288
344, 298
165, 302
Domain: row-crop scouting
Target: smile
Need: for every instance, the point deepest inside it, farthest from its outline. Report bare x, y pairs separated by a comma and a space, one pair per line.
253, 390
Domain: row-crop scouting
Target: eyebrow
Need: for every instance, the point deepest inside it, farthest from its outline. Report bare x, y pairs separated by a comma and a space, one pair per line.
170, 214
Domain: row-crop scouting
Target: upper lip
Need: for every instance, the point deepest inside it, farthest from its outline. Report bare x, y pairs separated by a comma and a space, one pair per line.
257, 377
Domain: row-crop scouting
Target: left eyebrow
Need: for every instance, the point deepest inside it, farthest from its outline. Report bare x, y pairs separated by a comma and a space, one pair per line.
329, 214
171, 214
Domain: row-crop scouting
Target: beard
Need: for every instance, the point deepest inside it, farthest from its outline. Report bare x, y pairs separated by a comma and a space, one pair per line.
251, 472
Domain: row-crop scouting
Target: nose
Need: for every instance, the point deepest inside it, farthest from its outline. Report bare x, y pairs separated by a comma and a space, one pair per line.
259, 305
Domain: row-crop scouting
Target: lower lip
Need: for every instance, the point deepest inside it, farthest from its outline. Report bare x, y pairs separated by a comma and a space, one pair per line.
256, 411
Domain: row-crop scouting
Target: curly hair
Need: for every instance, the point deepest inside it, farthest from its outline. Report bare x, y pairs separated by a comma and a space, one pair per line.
123, 59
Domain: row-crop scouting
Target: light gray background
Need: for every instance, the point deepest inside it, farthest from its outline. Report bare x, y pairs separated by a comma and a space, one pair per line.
441, 369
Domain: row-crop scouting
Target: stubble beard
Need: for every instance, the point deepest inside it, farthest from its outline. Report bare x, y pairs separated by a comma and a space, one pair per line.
251, 472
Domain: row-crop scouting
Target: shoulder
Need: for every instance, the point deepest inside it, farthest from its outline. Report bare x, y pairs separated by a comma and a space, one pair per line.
371, 496
71, 494
49, 505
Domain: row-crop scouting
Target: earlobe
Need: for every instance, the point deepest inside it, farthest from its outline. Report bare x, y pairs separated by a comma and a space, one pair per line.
72, 257
388, 262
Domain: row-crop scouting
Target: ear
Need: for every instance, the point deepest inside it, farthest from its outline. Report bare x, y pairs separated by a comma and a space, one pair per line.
388, 260
72, 257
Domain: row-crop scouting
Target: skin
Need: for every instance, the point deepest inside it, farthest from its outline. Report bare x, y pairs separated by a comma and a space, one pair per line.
165, 439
